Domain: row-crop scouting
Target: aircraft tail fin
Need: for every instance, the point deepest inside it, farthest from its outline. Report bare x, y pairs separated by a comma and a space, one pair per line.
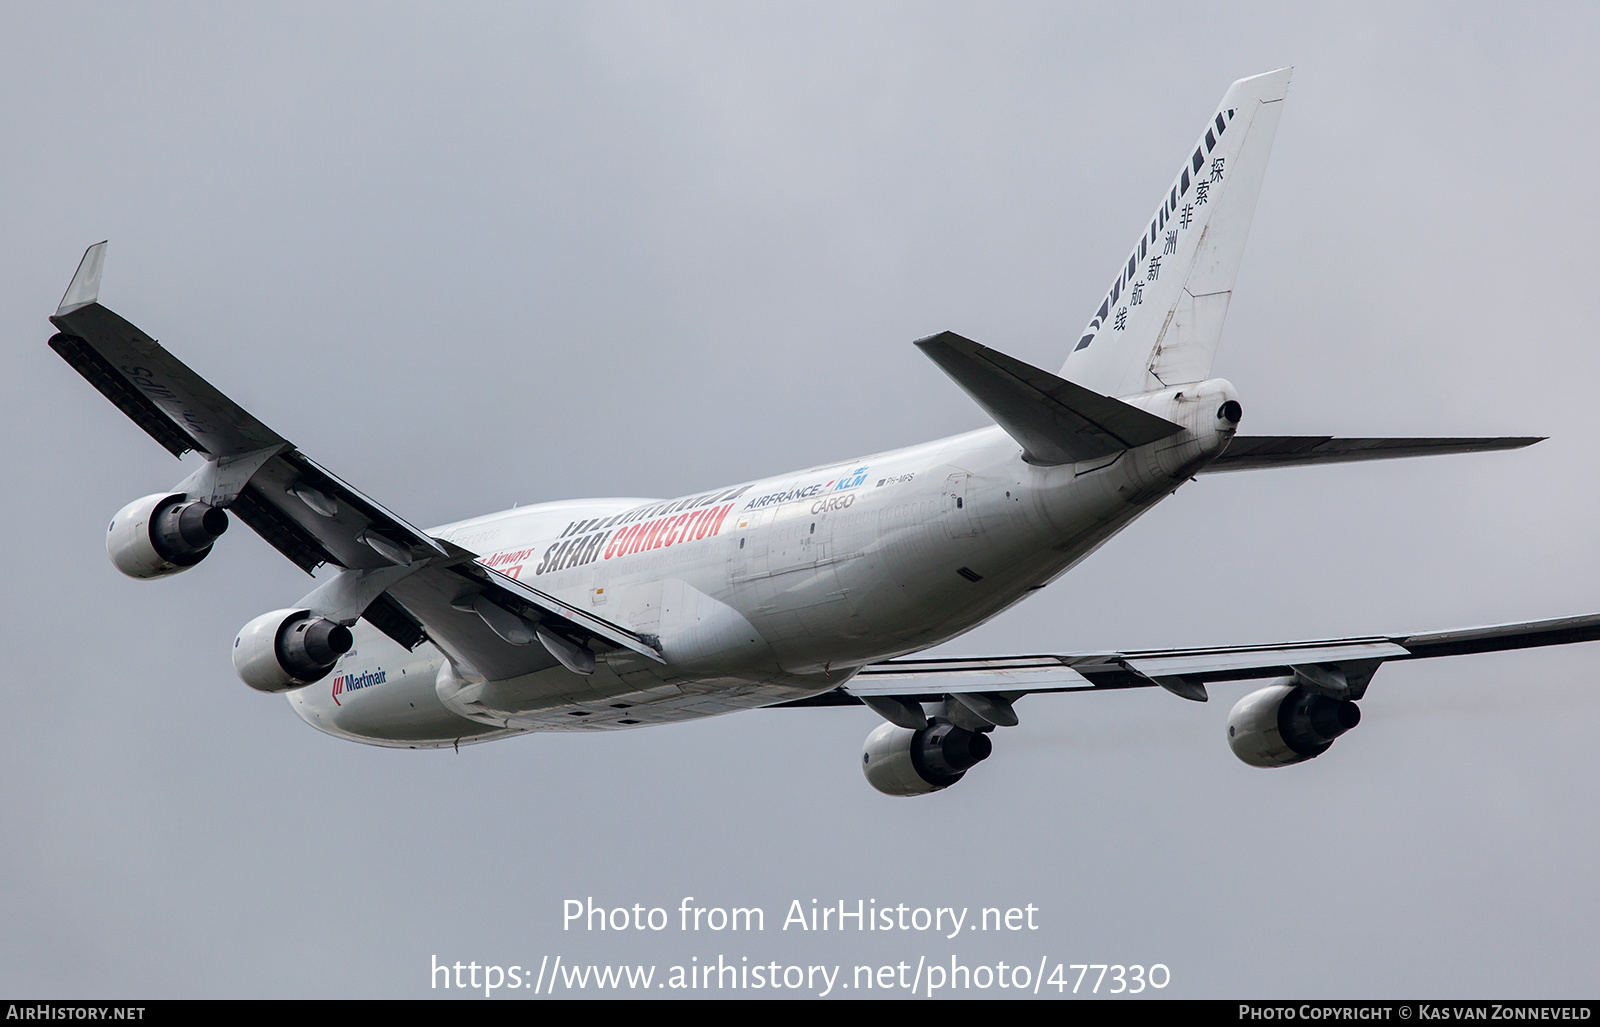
1159, 323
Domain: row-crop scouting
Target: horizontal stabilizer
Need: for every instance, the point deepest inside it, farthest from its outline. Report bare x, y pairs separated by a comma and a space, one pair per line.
1054, 420
1249, 452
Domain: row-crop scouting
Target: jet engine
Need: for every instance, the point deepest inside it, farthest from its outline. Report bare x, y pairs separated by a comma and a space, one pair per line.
1285, 724
285, 649
163, 534
900, 761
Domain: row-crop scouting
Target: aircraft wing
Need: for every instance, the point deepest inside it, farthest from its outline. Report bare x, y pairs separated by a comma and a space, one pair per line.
1250, 452
1341, 666
407, 584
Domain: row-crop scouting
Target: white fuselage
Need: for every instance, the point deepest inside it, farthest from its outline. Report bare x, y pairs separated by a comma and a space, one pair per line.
774, 590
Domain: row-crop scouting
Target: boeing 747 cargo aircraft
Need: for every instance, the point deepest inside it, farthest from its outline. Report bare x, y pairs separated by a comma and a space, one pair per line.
813, 587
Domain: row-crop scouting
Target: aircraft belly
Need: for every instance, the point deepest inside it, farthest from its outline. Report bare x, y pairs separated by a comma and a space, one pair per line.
625, 691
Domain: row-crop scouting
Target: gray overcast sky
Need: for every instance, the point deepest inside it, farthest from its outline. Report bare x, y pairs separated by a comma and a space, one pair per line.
508, 254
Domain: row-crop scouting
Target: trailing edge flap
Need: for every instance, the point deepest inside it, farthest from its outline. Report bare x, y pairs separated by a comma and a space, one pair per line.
1249, 452
440, 597
1054, 420
959, 675
928, 678
541, 607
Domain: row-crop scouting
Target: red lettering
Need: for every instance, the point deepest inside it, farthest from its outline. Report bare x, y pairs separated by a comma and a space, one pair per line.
671, 534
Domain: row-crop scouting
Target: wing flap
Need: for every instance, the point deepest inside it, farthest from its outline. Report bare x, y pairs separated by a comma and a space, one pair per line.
349, 530
439, 598
541, 607
99, 372
1218, 664
959, 676
280, 532
395, 621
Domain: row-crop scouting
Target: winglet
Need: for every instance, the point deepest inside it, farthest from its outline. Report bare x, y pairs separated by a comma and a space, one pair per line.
85, 287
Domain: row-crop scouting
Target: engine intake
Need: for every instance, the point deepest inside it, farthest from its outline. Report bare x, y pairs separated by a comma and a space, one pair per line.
1284, 724
902, 761
163, 534
286, 649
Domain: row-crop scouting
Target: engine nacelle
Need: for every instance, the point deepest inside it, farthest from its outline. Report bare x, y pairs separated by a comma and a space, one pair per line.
286, 649
1286, 724
900, 761
163, 534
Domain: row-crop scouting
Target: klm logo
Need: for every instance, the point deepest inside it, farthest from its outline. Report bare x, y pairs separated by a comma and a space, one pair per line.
853, 480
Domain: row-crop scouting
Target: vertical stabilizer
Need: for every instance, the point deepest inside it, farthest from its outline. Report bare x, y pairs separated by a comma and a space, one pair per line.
1159, 323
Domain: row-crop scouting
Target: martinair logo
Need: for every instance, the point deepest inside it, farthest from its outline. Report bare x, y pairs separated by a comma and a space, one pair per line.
353, 682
